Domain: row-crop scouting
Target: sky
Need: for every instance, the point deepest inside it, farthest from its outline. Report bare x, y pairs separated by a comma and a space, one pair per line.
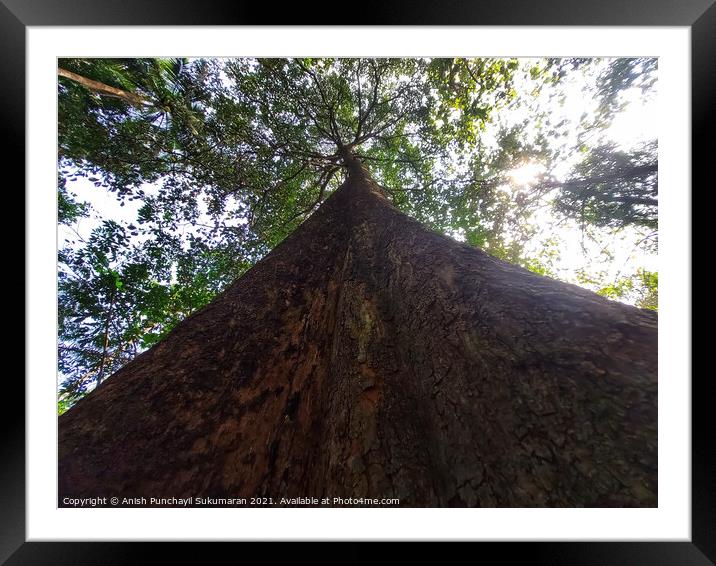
576, 254
636, 124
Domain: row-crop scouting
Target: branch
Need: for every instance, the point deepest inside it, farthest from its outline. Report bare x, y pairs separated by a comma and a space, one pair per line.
328, 104
104, 89
637, 171
323, 181
624, 174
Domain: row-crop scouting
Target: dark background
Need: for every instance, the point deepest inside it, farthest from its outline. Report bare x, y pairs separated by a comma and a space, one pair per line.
15, 15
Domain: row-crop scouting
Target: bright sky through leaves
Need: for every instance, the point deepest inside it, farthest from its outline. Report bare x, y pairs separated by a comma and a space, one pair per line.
576, 255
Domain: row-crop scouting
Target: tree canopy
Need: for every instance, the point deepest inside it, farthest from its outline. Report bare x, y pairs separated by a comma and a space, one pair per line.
219, 160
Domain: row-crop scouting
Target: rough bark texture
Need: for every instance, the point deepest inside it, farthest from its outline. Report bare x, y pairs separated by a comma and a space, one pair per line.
369, 357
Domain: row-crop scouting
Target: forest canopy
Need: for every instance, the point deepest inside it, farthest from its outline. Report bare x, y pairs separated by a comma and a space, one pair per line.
175, 176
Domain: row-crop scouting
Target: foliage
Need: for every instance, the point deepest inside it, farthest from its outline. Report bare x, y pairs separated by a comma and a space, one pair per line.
613, 188
643, 285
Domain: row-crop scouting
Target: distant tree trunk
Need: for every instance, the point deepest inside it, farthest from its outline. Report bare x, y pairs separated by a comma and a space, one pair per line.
104, 89
366, 356
105, 339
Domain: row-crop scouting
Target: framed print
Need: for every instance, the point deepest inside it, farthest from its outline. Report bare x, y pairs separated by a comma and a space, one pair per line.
419, 389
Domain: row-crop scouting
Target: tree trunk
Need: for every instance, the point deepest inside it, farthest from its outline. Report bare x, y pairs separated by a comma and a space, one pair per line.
366, 356
105, 340
104, 89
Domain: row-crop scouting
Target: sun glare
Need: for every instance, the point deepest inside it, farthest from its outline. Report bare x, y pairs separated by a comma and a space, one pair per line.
526, 174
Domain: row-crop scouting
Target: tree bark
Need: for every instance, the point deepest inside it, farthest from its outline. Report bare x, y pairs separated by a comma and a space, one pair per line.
104, 89
367, 356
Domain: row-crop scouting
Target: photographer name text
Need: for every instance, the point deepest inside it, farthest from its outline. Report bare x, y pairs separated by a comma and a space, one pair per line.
222, 501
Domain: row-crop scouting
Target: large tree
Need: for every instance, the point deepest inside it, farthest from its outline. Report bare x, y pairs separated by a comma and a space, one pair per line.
365, 355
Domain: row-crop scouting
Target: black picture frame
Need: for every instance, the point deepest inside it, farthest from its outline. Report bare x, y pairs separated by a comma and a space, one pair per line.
699, 15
